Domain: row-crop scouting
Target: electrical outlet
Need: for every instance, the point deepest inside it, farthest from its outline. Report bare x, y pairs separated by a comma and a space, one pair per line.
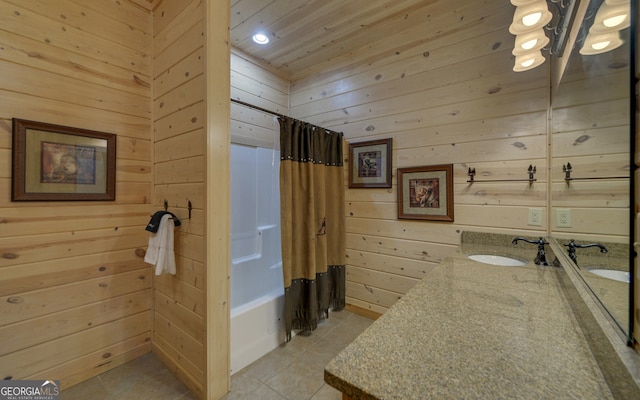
563, 218
535, 216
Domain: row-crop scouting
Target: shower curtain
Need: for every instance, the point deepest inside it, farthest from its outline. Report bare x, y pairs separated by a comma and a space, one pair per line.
312, 223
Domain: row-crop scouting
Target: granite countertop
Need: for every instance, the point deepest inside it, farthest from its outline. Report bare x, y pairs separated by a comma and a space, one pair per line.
474, 331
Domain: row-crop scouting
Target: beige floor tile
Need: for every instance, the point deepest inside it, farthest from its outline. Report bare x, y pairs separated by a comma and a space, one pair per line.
323, 351
299, 344
187, 396
293, 371
270, 364
246, 387
161, 386
298, 381
326, 392
91, 389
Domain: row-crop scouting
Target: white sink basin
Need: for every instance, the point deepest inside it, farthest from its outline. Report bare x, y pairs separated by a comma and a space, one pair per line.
620, 276
497, 260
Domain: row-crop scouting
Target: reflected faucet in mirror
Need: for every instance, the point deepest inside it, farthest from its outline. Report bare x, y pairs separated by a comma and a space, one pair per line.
572, 245
541, 257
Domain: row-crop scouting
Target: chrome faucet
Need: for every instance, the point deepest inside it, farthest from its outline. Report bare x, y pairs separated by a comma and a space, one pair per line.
541, 257
573, 246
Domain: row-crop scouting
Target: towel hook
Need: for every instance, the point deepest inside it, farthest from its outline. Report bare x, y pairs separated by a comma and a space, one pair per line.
166, 205
189, 207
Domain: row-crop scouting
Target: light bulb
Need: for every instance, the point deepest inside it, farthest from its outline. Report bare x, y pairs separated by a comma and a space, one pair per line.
527, 63
529, 44
521, 2
531, 19
611, 18
526, 42
598, 43
614, 21
260, 38
616, 2
530, 16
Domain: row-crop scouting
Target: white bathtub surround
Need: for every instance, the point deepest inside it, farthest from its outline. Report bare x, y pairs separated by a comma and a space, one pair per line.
257, 288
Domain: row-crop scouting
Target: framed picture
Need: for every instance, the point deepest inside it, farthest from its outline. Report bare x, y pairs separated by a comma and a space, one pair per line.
370, 164
426, 193
59, 163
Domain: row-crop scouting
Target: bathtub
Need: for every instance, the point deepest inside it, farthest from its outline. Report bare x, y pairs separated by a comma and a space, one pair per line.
256, 329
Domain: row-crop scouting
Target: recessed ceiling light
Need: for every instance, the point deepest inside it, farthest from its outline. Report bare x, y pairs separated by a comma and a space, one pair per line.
260, 38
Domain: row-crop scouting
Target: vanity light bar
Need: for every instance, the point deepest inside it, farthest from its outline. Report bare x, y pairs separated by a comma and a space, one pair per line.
529, 19
532, 16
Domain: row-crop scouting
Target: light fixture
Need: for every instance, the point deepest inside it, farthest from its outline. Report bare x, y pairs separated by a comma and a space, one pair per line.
521, 2
597, 43
530, 41
529, 16
604, 34
611, 18
616, 2
528, 61
260, 38
529, 19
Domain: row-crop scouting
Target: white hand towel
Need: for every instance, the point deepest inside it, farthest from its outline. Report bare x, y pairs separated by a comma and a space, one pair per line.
160, 251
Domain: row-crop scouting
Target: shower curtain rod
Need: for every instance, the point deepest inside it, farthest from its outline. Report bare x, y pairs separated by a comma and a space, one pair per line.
258, 108
272, 112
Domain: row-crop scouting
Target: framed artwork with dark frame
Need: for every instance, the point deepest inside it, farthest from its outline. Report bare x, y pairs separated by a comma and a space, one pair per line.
370, 164
426, 192
60, 163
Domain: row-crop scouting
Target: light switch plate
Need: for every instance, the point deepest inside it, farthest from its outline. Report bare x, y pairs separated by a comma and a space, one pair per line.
535, 217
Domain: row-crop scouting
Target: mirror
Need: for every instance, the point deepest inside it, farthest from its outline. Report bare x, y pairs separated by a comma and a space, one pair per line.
590, 168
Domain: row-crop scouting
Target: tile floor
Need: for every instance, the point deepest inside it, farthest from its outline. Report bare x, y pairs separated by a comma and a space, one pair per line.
293, 371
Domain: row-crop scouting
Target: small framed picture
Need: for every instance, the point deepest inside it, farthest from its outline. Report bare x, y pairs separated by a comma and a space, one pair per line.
426, 193
370, 164
60, 163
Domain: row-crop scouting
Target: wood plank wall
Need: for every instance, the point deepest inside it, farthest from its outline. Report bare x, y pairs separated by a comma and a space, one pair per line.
179, 144
254, 84
75, 294
445, 101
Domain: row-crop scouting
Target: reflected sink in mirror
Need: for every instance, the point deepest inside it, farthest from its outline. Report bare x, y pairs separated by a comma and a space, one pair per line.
620, 276
497, 260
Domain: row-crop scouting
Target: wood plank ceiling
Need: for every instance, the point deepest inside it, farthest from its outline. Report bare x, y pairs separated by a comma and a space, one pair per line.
307, 34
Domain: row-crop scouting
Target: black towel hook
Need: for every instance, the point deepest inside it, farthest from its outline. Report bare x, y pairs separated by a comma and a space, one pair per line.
189, 206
